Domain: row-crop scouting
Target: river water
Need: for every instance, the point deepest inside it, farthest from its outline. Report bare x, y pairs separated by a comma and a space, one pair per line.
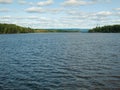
60, 61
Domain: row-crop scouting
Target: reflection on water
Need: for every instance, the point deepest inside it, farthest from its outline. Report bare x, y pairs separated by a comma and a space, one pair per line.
60, 61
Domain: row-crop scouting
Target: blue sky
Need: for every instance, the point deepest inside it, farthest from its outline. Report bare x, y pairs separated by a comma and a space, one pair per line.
60, 13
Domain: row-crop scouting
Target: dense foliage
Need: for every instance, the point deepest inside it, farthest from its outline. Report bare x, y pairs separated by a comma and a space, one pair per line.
12, 28
107, 29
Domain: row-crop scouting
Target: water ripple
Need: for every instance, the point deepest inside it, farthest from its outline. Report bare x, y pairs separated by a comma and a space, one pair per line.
59, 61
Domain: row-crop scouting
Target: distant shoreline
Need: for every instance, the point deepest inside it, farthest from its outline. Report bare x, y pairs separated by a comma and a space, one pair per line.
106, 29
15, 29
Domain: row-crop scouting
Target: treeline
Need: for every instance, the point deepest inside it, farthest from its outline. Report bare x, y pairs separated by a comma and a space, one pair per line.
12, 28
55, 30
106, 29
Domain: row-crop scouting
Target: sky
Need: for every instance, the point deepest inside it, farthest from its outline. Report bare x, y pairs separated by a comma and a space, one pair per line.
60, 13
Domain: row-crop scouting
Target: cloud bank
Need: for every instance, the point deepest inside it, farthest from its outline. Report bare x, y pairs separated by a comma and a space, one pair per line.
59, 14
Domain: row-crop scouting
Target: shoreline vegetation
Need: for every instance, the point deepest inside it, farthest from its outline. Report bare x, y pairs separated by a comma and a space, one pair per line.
106, 29
12, 29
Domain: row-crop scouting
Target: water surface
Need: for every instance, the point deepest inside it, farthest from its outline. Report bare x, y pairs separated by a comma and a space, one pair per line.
60, 61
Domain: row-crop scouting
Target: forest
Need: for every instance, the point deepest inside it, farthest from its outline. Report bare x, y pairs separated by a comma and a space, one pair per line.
12, 28
106, 29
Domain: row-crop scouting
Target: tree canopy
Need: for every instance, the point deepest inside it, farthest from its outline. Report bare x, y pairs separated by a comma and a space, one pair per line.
106, 29
12, 28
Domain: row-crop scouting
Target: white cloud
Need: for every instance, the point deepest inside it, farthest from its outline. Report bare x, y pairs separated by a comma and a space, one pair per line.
118, 9
74, 12
35, 10
116, 21
32, 17
43, 10
54, 10
74, 2
4, 10
76, 17
89, 18
5, 17
6, 1
59, 16
117, 14
82, 2
45, 3
103, 13
22, 2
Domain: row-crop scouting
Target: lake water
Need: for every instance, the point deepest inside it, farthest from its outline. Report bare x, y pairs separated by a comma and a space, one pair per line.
60, 61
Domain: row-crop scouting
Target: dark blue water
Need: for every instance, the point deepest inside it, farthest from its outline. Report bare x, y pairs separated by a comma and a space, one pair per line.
60, 61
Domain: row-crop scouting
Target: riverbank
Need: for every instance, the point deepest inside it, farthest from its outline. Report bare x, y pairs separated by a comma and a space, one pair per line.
12, 28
